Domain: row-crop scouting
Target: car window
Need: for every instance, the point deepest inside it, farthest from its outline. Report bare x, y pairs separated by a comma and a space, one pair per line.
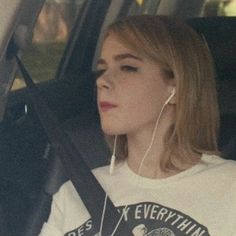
144, 7
119, 8
219, 8
51, 33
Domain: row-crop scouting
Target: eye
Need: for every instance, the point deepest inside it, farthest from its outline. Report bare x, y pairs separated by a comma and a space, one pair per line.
129, 68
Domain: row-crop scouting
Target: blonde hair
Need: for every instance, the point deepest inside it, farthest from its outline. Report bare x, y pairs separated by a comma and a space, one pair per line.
184, 57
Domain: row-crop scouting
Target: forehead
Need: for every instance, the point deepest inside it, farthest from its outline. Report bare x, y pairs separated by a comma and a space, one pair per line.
113, 48
112, 43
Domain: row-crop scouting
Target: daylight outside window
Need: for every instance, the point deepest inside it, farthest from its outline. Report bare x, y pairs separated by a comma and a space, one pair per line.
50, 36
220, 8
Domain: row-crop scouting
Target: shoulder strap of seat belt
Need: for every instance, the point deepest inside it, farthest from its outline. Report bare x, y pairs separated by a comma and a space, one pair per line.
4, 231
87, 186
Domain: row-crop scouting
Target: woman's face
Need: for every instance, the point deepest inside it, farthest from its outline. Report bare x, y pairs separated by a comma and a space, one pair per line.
130, 91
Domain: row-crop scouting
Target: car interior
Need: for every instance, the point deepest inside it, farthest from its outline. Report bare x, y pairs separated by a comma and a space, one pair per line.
30, 171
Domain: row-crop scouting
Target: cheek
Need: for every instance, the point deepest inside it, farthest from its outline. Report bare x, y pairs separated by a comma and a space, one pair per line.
143, 110
136, 109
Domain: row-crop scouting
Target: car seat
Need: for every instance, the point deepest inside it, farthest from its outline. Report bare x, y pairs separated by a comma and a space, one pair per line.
220, 36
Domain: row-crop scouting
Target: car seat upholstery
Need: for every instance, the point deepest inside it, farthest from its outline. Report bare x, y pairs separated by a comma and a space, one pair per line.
220, 36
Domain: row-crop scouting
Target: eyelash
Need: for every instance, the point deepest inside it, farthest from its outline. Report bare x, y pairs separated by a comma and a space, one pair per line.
125, 68
128, 68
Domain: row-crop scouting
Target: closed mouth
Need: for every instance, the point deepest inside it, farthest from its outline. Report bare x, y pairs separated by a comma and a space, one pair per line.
105, 106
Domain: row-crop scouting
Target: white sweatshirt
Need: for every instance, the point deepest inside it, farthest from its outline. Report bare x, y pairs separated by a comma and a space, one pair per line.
200, 201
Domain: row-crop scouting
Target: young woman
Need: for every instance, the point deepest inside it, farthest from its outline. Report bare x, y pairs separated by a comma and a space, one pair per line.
158, 109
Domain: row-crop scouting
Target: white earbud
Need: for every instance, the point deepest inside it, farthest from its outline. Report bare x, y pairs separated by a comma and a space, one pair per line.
172, 94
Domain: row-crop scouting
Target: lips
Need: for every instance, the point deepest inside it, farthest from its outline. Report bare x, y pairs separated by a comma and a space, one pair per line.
106, 106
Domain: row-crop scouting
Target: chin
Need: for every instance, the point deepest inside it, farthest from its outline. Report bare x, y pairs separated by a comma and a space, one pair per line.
111, 130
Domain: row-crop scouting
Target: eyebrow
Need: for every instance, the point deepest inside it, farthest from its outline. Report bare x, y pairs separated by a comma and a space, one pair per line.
120, 57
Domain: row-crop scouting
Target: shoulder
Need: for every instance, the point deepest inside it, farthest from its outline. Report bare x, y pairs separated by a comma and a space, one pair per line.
68, 201
67, 194
221, 170
217, 163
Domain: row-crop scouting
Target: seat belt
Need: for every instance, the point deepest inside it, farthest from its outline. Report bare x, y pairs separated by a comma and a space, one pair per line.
86, 185
4, 231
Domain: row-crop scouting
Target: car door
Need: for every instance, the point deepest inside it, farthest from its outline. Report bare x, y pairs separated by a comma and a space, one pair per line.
16, 16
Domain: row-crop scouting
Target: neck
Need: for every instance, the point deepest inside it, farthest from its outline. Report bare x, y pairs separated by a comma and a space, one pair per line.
138, 144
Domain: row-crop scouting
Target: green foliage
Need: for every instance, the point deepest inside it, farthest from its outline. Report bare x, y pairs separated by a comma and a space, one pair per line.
42, 61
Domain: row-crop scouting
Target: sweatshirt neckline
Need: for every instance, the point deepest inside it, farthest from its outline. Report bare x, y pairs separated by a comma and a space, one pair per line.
149, 182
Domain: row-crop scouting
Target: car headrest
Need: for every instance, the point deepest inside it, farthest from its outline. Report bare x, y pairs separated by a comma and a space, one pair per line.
220, 35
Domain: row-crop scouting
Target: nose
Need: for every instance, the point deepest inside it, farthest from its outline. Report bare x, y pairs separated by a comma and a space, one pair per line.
103, 82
